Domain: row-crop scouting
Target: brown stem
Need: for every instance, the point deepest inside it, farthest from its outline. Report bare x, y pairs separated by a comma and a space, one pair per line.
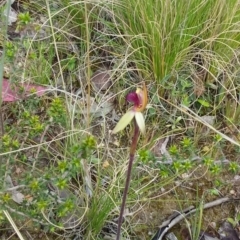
127, 183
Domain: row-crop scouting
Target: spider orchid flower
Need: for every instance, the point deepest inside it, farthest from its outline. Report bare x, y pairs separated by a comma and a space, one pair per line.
139, 99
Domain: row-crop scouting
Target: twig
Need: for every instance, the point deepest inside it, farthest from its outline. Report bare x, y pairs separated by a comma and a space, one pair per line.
13, 188
41, 141
26, 216
13, 224
196, 158
176, 218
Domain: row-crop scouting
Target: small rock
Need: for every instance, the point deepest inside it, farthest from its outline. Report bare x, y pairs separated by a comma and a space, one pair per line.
185, 175
236, 177
105, 164
232, 192
163, 189
213, 225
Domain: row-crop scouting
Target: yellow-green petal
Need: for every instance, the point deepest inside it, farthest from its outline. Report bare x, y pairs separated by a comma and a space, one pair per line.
140, 121
124, 121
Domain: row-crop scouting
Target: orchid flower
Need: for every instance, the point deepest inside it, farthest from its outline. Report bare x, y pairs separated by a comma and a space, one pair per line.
139, 99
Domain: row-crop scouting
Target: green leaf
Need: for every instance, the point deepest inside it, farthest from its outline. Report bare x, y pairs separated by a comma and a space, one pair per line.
230, 220
204, 103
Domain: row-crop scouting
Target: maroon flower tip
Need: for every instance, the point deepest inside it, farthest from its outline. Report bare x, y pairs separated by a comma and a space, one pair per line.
133, 98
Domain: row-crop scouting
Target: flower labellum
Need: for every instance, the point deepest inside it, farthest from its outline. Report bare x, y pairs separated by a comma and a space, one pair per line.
139, 100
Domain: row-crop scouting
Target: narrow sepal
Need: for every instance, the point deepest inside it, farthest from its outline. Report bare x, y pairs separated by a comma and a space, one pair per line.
124, 121
140, 121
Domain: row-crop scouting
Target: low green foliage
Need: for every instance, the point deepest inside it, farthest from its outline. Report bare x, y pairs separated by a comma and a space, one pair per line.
23, 19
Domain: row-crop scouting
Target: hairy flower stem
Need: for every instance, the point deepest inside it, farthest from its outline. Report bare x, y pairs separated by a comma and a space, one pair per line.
129, 170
